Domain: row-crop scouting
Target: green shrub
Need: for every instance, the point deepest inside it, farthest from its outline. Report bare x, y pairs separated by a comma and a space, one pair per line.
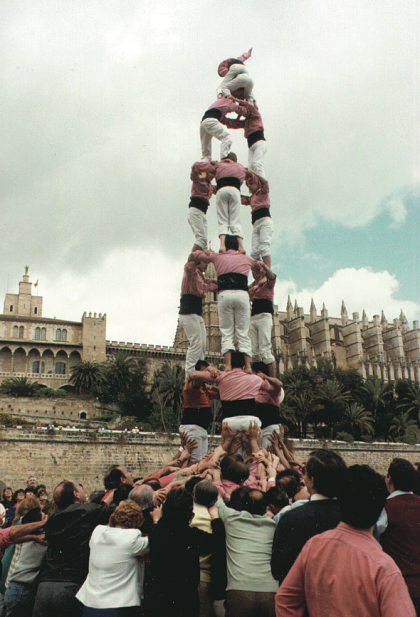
343, 436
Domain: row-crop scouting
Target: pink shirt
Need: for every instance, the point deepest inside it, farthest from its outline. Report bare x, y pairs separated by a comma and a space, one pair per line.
235, 385
198, 397
201, 188
229, 170
223, 66
192, 281
265, 291
5, 538
226, 106
260, 199
344, 572
271, 398
252, 123
231, 261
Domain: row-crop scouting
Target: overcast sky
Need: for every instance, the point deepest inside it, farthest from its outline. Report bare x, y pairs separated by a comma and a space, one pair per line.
100, 107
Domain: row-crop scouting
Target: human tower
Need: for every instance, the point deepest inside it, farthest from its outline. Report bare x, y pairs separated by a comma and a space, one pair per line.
240, 386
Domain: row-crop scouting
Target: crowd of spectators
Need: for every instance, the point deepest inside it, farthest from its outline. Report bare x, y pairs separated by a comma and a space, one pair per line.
245, 531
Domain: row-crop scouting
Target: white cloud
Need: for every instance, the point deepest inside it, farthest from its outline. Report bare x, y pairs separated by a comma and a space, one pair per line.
361, 289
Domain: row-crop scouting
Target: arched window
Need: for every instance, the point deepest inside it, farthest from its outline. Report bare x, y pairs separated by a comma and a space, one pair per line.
35, 366
21, 331
43, 334
60, 368
37, 335
58, 335
15, 332
64, 335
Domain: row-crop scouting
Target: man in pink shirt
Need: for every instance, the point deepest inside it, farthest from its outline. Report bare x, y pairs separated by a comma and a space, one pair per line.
193, 289
267, 403
201, 191
229, 177
236, 80
261, 294
344, 572
232, 270
253, 133
211, 126
262, 223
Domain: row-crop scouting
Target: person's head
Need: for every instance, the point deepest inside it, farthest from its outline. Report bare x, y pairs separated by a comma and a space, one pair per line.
202, 266
191, 482
252, 183
67, 493
121, 493
236, 497
115, 476
289, 481
324, 472
153, 483
177, 509
201, 365
416, 466
231, 157
362, 495
401, 475
205, 493
237, 359
28, 504
29, 490
33, 515
143, 496
259, 367
96, 496
231, 243
42, 495
31, 481
18, 496
234, 61
49, 507
127, 515
276, 498
7, 493
254, 502
234, 469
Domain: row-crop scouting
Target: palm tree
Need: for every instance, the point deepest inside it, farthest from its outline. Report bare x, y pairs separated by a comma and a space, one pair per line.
360, 420
332, 400
404, 428
411, 402
87, 375
168, 386
375, 391
301, 405
19, 386
119, 369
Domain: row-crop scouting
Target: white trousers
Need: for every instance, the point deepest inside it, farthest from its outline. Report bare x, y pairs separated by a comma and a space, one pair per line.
195, 331
202, 438
260, 335
228, 203
236, 77
241, 423
262, 232
211, 127
198, 223
234, 317
266, 434
256, 154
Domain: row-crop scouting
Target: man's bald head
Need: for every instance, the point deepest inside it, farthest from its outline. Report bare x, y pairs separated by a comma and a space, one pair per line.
68, 492
143, 496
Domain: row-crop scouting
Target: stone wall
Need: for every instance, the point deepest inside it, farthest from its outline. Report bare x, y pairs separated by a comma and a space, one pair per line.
86, 455
47, 410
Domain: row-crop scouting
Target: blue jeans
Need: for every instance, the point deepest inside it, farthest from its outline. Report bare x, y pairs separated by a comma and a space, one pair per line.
19, 599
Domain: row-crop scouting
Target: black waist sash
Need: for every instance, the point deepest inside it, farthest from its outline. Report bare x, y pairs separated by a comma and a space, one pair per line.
232, 280
268, 414
246, 407
201, 416
260, 214
262, 305
254, 137
214, 112
229, 181
201, 204
191, 304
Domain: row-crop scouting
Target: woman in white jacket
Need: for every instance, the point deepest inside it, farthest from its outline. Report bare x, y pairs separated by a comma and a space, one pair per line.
114, 585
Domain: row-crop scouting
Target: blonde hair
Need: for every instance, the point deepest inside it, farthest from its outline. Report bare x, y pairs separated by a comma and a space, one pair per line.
127, 514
